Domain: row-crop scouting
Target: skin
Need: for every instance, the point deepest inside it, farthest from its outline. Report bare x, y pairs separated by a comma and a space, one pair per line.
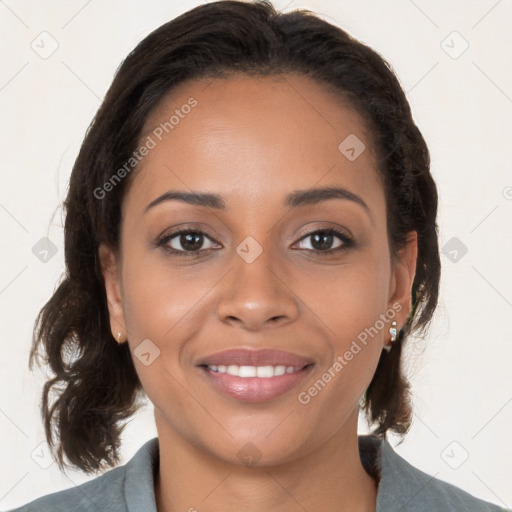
253, 141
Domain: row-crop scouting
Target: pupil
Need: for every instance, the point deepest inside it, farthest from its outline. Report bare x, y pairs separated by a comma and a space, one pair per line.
322, 241
191, 241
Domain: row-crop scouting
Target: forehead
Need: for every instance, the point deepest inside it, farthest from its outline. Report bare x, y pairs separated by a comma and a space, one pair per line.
253, 138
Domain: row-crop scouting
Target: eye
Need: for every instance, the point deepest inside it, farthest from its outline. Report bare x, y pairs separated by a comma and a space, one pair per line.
185, 242
326, 241
191, 242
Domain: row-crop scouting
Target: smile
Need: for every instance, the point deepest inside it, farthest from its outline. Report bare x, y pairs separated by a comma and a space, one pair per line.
254, 383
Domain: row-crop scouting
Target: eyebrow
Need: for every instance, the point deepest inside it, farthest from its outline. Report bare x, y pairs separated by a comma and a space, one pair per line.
292, 200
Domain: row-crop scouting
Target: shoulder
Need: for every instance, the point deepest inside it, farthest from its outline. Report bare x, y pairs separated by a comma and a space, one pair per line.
408, 489
103, 492
132, 482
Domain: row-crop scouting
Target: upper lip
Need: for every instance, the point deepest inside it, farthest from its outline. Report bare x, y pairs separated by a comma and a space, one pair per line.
252, 357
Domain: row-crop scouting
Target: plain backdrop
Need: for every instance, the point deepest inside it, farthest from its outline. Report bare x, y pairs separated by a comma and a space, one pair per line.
453, 59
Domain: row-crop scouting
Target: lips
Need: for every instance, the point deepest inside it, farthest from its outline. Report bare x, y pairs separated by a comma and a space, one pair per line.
252, 357
254, 388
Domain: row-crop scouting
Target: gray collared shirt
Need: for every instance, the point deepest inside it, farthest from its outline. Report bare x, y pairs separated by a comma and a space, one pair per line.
130, 488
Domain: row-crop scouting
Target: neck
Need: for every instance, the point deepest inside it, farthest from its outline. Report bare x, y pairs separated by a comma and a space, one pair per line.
330, 478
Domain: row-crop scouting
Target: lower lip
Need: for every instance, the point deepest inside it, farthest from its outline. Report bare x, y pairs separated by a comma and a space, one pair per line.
255, 389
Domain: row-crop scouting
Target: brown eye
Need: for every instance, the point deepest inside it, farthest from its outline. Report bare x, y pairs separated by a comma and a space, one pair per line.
326, 241
189, 241
185, 241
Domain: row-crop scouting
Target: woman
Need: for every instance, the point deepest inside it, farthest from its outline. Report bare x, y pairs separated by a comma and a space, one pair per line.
250, 239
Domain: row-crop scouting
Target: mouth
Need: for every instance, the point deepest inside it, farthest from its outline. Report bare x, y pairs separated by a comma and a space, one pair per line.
251, 375
254, 383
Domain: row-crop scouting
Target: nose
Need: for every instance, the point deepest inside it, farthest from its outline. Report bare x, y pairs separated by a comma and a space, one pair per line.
257, 295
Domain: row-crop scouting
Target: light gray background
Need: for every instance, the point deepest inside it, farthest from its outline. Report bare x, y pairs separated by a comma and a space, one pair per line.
462, 103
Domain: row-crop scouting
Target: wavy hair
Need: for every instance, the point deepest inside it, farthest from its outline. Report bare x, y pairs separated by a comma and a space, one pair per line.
94, 387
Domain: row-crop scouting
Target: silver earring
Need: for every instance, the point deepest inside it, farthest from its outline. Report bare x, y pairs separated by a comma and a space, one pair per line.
393, 334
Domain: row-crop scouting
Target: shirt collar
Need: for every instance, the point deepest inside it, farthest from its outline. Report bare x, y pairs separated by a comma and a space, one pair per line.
140, 477
377, 456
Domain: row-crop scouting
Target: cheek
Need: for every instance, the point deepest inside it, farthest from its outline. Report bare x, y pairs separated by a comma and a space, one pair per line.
351, 305
158, 296
168, 305
349, 298
352, 323
161, 305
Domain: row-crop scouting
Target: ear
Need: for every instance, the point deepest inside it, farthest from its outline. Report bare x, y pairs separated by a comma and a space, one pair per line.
110, 268
402, 278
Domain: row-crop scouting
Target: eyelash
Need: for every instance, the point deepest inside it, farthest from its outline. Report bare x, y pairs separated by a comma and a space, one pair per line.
162, 242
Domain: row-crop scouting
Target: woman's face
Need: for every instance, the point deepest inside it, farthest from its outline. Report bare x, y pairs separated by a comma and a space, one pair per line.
259, 270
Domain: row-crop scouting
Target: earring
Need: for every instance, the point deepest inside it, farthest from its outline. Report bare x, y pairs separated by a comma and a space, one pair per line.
118, 337
392, 331
393, 334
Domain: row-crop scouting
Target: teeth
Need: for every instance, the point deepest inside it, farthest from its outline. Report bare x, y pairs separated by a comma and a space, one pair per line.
243, 371
253, 371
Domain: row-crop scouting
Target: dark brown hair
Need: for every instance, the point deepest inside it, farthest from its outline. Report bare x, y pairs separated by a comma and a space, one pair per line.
95, 385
